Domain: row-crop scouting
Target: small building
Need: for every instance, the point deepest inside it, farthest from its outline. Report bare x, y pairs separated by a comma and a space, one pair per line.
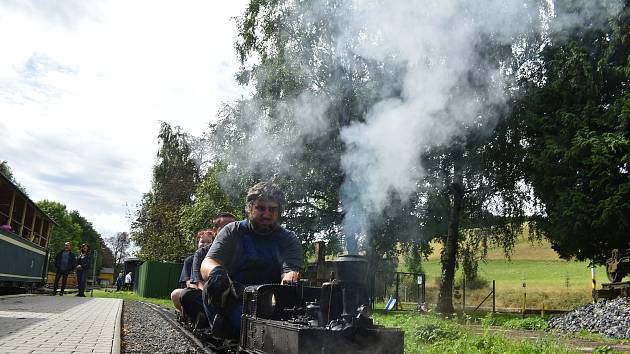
131, 265
106, 277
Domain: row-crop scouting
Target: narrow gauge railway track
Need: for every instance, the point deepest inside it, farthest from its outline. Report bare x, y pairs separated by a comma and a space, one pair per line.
172, 320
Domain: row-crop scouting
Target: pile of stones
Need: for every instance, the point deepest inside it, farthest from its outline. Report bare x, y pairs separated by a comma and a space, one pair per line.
610, 318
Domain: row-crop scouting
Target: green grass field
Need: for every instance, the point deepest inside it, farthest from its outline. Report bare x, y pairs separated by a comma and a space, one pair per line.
433, 334
558, 283
129, 295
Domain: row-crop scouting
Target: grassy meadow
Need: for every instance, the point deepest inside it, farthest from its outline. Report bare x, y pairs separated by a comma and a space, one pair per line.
432, 334
558, 283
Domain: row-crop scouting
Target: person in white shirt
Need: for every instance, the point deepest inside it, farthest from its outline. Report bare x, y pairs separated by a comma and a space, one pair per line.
128, 281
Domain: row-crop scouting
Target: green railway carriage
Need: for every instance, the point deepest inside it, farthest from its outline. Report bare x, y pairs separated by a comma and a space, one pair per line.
24, 234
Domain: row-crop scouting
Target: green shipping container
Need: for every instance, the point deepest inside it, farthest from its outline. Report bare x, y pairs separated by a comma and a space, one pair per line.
158, 279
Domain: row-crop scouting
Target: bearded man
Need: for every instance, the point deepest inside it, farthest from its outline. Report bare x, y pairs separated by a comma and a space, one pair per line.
249, 252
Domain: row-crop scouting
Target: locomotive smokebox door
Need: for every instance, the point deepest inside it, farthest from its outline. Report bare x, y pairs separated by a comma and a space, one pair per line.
280, 337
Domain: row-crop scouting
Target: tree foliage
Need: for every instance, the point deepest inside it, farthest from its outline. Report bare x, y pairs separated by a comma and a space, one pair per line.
119, 246
296, 145
66, 229
6, 171
210, 200
156, 229
298, 58
94, 240
578, 139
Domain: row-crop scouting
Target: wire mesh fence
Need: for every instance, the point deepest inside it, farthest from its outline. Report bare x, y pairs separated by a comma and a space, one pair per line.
410, 291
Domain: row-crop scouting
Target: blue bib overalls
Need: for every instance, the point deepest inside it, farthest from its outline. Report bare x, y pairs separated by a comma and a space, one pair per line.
258, 261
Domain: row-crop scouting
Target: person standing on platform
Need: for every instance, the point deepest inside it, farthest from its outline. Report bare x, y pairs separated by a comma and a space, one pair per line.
83, 263
64, 262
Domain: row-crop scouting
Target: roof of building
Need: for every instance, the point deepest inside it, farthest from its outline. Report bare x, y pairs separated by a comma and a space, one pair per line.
3, 178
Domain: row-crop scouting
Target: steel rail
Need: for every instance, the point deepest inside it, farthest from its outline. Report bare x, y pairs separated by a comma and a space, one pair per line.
165, 314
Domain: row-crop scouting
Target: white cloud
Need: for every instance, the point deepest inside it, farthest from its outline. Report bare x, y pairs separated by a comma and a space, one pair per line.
83, 88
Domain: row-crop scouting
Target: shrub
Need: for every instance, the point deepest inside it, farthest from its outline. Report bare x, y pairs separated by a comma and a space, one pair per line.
533, 323
491, 320
434, 330
494, 343
604, 349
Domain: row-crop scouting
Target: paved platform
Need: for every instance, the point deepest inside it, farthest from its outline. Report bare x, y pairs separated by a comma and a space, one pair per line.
40, 324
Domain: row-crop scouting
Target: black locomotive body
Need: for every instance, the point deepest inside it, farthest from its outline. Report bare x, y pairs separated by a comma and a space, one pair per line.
299, 319
617, 267
289, 319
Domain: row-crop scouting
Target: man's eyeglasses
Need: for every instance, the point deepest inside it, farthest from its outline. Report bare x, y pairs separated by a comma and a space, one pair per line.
262, 208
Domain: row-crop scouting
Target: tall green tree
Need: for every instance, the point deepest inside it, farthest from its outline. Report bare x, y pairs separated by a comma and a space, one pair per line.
577, 114
472, 185
298, 57
209, 200
156, 229
90, 236
306, 92
66, 229
119, 247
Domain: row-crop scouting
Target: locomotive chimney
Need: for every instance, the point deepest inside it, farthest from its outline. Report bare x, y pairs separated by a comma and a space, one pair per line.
320, 251
351, 273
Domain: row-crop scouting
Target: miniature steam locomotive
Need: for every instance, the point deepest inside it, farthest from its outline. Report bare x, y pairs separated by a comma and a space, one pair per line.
617, 266
334, 318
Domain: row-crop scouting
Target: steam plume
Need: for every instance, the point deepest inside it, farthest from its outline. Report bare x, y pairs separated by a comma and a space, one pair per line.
440, 48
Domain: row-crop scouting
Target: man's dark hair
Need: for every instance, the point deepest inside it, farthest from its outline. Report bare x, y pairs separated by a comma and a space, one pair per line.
265, 191
217, 218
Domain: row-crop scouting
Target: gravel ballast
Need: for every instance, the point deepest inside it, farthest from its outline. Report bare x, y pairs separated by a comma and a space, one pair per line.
146, 331
610, 318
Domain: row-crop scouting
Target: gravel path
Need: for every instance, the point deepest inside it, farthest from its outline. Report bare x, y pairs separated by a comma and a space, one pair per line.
145, 331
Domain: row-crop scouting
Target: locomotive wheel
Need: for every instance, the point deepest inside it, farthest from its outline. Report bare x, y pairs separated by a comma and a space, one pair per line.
614, 277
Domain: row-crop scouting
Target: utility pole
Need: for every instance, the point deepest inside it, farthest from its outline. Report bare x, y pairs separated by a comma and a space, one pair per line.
94, 273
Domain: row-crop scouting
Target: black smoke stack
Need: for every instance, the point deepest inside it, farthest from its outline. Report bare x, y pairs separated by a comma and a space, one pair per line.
351, 274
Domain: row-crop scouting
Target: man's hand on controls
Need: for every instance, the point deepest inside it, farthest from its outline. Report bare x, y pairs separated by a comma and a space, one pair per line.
219, 288
290, 277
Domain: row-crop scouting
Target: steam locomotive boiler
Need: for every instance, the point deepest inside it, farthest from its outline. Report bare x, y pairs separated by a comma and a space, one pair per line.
333, 318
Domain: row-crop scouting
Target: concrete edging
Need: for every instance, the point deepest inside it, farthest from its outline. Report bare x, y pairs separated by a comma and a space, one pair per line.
16, 295
116, 343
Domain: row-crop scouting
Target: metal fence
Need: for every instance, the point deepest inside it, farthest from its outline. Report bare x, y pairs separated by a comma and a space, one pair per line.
408, 289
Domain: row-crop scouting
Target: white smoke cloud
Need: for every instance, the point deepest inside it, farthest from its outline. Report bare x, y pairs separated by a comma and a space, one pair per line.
269, 143
437, 43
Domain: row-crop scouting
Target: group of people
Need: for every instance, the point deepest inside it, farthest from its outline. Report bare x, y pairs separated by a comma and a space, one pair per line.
66, 262
188, 301
124, 282
233, 255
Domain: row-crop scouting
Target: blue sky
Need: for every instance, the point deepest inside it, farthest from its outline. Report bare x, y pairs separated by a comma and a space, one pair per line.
84, 85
